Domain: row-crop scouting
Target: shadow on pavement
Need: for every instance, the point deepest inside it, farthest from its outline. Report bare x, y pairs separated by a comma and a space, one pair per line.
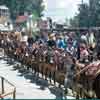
58, 92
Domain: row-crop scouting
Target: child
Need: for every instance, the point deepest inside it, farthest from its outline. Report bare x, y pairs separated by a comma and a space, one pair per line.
84, 53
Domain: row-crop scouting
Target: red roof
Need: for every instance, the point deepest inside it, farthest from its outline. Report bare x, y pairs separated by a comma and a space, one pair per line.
21, 19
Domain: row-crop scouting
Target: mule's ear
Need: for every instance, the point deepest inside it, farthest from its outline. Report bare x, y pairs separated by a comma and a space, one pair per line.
74, 60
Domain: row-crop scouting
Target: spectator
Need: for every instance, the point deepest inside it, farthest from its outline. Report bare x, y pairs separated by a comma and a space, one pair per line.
84, 38
61, 43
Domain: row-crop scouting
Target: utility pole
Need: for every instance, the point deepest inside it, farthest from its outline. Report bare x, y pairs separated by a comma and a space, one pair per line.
82, 1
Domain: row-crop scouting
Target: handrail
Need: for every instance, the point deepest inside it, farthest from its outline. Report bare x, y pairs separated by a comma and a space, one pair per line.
7, 81
3, 94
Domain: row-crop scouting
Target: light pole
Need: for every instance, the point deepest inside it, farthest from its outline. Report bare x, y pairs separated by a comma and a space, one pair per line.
82, 1
30, 25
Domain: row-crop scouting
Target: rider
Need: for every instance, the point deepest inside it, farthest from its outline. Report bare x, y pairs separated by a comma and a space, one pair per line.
70, 47
51, 44
52, 41
83, 53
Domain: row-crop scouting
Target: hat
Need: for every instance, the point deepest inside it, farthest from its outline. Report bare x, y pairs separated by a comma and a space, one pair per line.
61, 36
51, 36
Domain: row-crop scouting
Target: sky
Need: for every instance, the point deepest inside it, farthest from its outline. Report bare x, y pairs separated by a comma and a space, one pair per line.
58, 10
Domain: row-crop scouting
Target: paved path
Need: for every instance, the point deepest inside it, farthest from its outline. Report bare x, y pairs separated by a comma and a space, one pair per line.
27, 85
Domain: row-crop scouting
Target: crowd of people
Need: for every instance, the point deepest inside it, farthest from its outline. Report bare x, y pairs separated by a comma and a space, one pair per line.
79, 47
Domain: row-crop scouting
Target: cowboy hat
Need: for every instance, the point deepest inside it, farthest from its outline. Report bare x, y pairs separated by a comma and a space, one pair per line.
51, 36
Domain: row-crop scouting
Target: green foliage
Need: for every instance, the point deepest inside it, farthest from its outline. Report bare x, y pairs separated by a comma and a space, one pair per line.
18, 7
83, 17
88, 16
74, 21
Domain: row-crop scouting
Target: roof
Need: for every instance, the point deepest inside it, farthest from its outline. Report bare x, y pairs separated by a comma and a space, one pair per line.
21, 19
3, 7
3, 28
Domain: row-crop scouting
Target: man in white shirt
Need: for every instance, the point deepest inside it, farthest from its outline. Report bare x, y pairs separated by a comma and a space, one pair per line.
84, 38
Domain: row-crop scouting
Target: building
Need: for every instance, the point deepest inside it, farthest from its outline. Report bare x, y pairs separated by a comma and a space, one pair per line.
4, 14
5, 20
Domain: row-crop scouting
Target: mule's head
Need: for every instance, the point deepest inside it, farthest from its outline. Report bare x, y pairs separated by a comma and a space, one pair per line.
69, 64
69, 61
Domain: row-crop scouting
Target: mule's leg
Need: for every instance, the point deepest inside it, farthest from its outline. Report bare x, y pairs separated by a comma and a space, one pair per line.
54, 77
46, 73
50, 76
90, 86
42, 70
61, 81
28, 67
38, 70
34, 69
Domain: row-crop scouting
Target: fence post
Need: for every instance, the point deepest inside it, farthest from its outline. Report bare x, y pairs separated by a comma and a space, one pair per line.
14, 94
2, 85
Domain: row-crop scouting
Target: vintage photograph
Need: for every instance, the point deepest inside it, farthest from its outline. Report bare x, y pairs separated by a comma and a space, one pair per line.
49, 49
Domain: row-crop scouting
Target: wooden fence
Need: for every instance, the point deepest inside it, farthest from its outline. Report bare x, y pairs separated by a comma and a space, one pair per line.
3, 91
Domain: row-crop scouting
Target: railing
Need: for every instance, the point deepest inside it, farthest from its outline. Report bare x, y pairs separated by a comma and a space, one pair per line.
3, 89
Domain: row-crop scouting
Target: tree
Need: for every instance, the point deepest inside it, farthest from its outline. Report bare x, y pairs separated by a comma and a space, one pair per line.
89, 14
83, 17
66, 22
95, 12
38, 7
74, 22
18, 7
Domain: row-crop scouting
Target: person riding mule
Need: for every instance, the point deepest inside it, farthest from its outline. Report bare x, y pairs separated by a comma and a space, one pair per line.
51, 41
18, 36
70, 65
89, 77
84, 54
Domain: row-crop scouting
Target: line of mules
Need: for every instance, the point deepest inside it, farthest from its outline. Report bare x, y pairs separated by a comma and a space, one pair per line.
54, 63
